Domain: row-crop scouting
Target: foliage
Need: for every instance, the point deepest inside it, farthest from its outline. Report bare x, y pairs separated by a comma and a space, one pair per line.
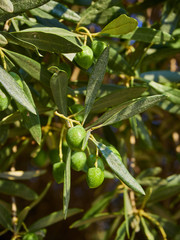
122, 100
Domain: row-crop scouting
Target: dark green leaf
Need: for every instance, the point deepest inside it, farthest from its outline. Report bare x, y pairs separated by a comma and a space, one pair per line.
3, 41
60, 11
127, 204
162, 76
20, 6
23, 214
170, 16
147, 231
170, 107
168, 188
32, 67
172, 93
95, 218
148, 35
5, 218
121, 232
15, 91
21, 175
149, 172
52, 218
118, 168
17, 189
117, 97
127, 110
90, 14
118, 64
59, 84
121, 25
7, 6
67, 184
62, 41
95, 81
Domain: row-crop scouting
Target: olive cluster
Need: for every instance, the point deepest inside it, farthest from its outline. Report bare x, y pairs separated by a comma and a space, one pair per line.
85, 58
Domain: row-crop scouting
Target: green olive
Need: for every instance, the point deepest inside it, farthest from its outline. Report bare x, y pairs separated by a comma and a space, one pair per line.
98, 47
95, 177
92, 159
54, 155
75, 137
30, 236
84, 58
58, 171
75, 108
4, 100
41, 159
78, 161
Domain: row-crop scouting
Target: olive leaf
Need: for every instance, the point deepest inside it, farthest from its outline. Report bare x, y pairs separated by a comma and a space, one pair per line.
121, 25
7, 6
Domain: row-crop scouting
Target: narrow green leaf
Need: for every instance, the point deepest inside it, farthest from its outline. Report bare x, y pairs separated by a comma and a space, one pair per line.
148, 35
51, 219
172, 93
62, 41
15, 90
3, 40
19, 7
23, 214
116, 98
95, 81
91, 14
7, 6
85, 140
95, 218
17, 189
60, 11
170, 107
162, 76
118, 64
165, 189
67, 184
121, 25
21, 175
120, 113
118, 168
126, 210
5, 218
147, 231
32, 67
31, 121
59, 84
121, 232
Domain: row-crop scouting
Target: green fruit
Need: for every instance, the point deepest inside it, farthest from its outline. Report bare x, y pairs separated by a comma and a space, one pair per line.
75, 108
4, 100
84, 58
41, 159
75, 137
98, 47
65, 67
54, 155
91, 162
58, 171
78, 161
30, 236
95, 177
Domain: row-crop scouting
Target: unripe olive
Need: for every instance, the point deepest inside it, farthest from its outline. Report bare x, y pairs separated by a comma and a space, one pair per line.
30, 236
75, 108
54, 155
92, 159
58, 171
78, 161
4, 100
95, 177
98, 47
41, 159
84, 58
75, 137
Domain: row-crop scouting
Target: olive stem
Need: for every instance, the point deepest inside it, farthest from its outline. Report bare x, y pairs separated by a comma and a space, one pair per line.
70, 121
3, 59
86, 30
60, 144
